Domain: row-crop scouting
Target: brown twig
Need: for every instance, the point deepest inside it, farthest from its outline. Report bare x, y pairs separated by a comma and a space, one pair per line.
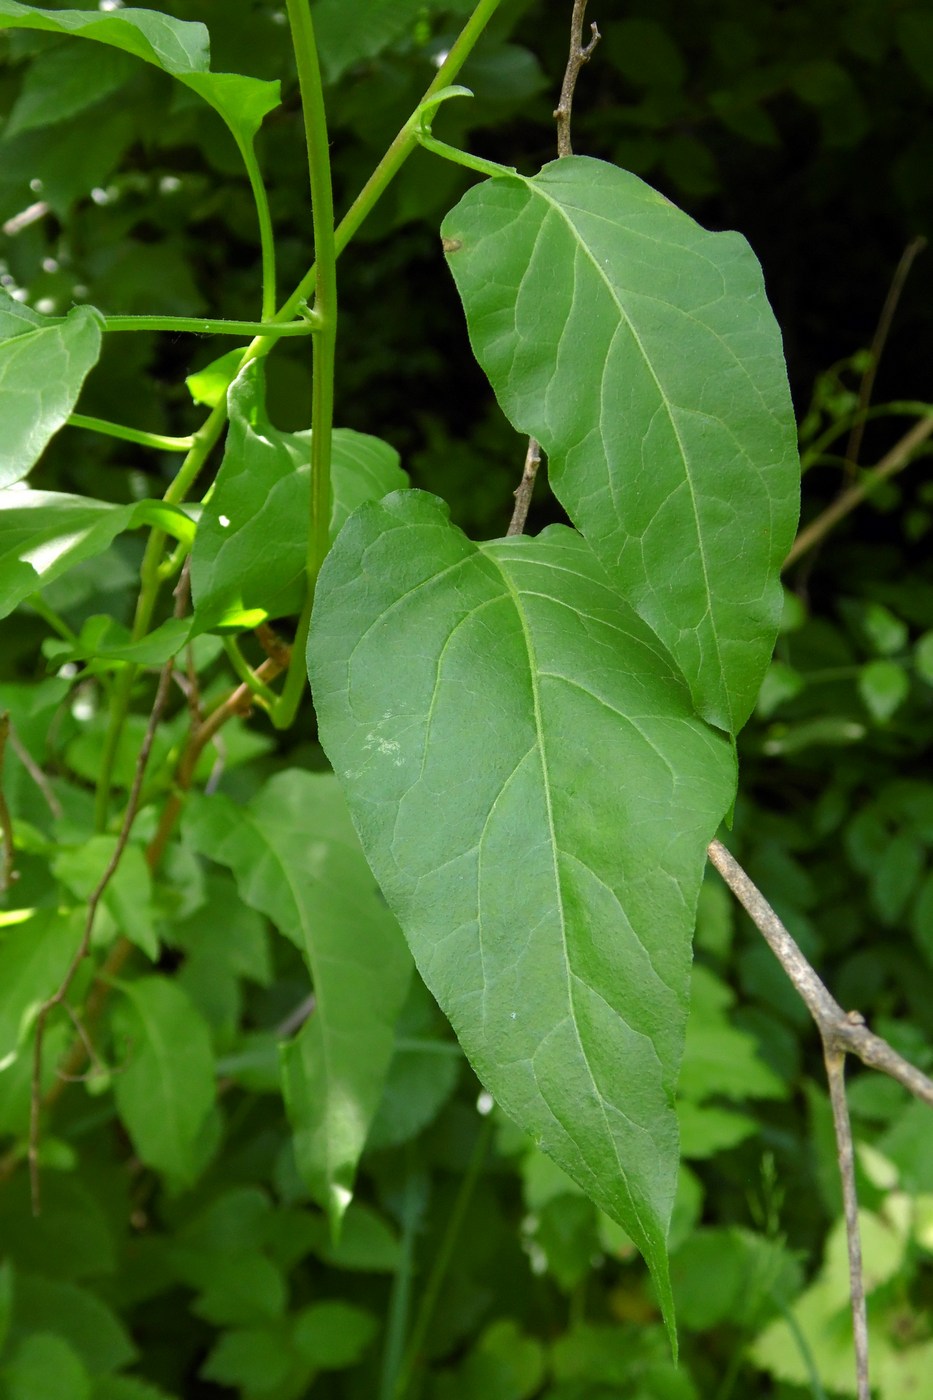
563, 112
893, 462
579, 54
81, 952
7, 873
876, 350
35, 772
525, 488
841, 1033
835, 1062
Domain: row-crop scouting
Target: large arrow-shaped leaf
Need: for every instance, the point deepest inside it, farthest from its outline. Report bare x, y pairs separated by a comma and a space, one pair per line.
535, 796
641, 351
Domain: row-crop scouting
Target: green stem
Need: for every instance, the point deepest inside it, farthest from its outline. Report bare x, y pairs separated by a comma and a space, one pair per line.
401, 148
458, 157
266, 232
199, 325
400, 1299
325, 305
117, 430
263, 693
442, 1262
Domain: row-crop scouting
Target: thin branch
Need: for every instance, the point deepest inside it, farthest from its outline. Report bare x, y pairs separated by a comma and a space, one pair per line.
842, 1033
835, 1062
35, 772
7, 873
525, 488
893, 462
579, 54
879, 340
59, 995
563, 112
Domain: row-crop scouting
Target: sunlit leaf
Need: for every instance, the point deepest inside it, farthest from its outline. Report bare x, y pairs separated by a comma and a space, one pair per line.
42, 368
641, 352
251, 550
45, 533
536, 797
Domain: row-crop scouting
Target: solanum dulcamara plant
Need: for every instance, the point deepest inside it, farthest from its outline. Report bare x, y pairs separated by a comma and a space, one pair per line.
532, 738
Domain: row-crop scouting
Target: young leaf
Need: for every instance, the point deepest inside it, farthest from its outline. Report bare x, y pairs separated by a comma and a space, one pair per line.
296, 858
641, 352
251, 549
42, 368
165, 1087
44, 533
535, 796
176, 46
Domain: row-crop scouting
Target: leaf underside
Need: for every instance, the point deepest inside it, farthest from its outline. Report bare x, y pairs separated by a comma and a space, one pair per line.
640, 350
535, 797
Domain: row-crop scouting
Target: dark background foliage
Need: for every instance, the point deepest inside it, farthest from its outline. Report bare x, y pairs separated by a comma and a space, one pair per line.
810, 129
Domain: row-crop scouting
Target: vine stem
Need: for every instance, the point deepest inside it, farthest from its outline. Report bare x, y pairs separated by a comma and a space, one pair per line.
325, 308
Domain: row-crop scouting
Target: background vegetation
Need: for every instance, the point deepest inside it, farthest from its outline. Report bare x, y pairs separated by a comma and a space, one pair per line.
810, 129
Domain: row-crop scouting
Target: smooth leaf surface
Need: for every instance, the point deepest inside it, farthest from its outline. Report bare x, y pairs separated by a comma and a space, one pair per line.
296, 858
178, 47
45, 533
536, 797
641, 352
64, 81
34, 957
42, 369
252, 543
165, 1088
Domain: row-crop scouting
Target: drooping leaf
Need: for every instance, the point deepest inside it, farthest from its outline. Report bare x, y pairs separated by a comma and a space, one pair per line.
178, 47
165, 1087
250, 554
535, 796
44, 533
297, 859
641, 351
43, 365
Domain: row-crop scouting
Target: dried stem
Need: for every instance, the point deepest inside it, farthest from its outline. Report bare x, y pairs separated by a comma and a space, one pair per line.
893, 462
835, 1062
563, 112
7, 874
579, 54
525, 488
879, 340
842, 1033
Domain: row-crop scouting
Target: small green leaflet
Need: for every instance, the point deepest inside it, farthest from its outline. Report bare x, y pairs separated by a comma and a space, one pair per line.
45, 533
641, 352
176, 46
43, 365
165, 1087
535, 796
296, 858
250, 555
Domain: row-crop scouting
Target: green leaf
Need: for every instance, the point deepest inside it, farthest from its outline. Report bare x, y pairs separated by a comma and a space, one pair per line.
128, 895
535, 796
46, 1365
296, 858
79, 1316
254, 1358
244, 1289
504, 1365
42, 369
127, 1388
923, 657
6, 1300
45, 533
641, 352
331, 1336
176, 46
34, 957
165, 1088
252, 544
720, 1059
883, 686
64, 81
341, 44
